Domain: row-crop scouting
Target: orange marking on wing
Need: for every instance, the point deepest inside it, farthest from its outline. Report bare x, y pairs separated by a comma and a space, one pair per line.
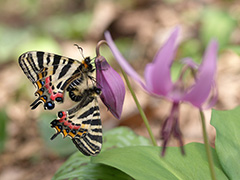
58, 130
44, 100
39, 92
65, 133
71, 134
80, 134
39, 85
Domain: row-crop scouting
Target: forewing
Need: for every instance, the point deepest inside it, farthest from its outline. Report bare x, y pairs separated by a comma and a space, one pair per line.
82, 124
51, 74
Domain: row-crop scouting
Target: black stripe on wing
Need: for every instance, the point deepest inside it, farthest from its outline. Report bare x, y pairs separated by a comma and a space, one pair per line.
91, 142
40, 59
65, 68
33, 62
89, 145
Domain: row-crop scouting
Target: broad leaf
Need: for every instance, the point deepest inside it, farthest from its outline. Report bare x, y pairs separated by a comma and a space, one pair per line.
227, 124
123, 137
79, 166
144, 162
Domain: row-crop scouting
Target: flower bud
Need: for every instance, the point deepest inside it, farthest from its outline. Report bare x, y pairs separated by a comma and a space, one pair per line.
112, 86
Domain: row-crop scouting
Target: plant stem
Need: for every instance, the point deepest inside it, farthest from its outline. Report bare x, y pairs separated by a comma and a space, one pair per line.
145, 120
207, 147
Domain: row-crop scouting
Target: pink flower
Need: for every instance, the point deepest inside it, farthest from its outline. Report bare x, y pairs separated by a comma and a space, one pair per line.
158, 80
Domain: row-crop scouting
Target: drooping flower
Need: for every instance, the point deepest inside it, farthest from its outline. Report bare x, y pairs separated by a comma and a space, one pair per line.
158, 80
112, 86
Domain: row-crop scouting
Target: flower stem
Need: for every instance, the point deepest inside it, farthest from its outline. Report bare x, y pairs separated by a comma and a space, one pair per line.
207, 147
145, 120
98, 47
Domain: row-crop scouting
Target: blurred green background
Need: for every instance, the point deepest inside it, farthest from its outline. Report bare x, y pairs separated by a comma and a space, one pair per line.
139, 27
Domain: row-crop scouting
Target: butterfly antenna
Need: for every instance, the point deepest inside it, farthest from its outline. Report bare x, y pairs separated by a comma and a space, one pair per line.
80, 49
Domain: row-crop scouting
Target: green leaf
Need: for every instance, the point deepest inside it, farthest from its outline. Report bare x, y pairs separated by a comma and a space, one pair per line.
123, 137
227, 124
144, 162
79, 166
3, 124
216, 24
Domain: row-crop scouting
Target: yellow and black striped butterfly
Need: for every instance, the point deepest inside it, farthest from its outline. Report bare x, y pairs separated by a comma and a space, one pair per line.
53, 75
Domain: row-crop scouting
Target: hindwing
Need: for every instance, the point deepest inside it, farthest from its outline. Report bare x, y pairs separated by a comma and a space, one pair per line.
82, 123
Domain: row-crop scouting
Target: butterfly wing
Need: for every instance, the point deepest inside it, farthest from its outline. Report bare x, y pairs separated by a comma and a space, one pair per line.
52, 74
82, 124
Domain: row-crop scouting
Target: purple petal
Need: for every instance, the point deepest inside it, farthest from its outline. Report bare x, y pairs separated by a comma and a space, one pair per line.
205, 79
157, 73
122, 61
213, 98
112, 86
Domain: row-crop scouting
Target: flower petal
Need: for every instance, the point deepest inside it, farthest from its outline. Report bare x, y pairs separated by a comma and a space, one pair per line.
112, 86
157, 73
205, 79
122, 61
212, 99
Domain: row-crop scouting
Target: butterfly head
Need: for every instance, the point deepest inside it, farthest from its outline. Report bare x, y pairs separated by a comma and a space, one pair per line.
87, 64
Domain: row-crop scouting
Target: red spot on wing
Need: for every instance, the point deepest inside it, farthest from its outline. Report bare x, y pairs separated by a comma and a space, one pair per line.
50, 91
63, 120
76, 127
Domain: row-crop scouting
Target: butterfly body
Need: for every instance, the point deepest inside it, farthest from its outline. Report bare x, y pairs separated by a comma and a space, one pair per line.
54, 75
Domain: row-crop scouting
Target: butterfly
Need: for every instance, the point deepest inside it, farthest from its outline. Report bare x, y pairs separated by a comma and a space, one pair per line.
55, 75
